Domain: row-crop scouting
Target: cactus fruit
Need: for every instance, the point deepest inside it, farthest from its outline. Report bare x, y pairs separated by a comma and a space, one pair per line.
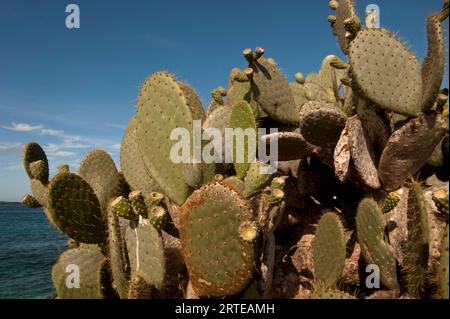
370, 227
434, 64
99, 171
211, 220
75, 209
132, 164
146, 252
321, 123
33, 152
408, 149
329, 247
377, 78
242, 118
390, 202
417, 248
30, 202
163, 107
158, 217
362, 153
89, 264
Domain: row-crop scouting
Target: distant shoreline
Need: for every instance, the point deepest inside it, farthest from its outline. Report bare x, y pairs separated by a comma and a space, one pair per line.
9, 203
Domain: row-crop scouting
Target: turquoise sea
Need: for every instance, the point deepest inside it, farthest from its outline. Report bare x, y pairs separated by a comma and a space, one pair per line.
29, 247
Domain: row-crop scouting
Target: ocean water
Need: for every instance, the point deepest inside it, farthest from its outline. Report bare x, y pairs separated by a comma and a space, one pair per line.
29, 247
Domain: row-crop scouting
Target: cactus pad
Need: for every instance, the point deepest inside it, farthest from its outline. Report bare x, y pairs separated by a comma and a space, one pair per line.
146, 252
92, 266
362, 153
39, 191
75, 208
408, 149
370, 227
345, 10
321, 123
342, 156
30, 202
329, 247
163, 107
442, 272
131, 162
242, 118
33, 152
291, 145
379, 63
415, 263
271, 90
99, 171
434, 64
210, 222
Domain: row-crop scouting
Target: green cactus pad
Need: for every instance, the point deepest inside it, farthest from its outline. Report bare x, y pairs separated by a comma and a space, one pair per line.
345, 10
146, 252
255, 181
138, 204
408, 149
271, 90
329, 247
379, 65
193, 101
219, 119
63, 168
242, 91
122, 208
30, 202
417, 247
39, 170
211, 221
99, 171
442, 272
370, 227
242, 118
192, 174
291, 145
33, 152
434, 64
362, 153
321, 123
75, 209
39, 191
390, 202
329, 77
132, 164
116, 253
162, 107
235, 183
91, 265
301, 94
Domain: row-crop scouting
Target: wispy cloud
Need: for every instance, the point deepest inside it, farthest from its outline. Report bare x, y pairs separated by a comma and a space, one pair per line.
117, 126
22, 127
161, 41
14, 147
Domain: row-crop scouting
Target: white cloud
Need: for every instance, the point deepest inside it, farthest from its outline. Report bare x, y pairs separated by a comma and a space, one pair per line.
11, 147
22, 127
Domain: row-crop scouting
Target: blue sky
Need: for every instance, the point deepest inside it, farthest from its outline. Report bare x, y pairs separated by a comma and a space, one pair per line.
74, 90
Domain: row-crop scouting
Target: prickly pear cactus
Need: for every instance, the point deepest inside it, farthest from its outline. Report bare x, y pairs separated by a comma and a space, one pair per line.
329, 248
89, 264
33, 152
216, 225
417, 247
75, 209
163, 107
370, 226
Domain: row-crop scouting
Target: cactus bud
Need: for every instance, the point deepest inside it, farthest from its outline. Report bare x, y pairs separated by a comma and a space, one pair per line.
337, 63
153, 199
258, 53
248, 231
333, 5
158, 217
30, 202
332, 19
248, 54
299, 78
